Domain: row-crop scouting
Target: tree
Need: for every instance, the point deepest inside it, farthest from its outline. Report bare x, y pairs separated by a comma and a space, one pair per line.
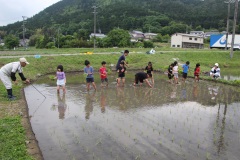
119, 37
148, 44
11, 41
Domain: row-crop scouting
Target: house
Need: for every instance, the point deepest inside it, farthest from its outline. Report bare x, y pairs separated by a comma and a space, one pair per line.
136, 36
180, 40
97, 35
200, 33
149, 36
23, 42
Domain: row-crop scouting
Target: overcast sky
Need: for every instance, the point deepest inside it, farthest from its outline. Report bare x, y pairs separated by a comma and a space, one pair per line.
12, 10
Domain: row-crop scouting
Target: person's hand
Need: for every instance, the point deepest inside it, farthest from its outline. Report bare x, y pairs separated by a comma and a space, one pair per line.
27, 81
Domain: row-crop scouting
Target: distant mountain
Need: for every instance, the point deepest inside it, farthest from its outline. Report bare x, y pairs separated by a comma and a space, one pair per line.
145, 15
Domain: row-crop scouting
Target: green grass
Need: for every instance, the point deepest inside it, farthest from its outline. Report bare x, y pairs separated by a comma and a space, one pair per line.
12, 140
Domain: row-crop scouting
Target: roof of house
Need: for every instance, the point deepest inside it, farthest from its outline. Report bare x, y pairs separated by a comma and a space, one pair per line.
150, 34
137, 32
201, 32
188, 35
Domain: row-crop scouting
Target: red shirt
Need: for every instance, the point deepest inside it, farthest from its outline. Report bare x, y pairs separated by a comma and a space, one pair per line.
197, 71
103, 72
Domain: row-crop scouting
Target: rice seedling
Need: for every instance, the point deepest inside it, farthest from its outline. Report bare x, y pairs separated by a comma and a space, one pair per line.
160, 142
208, 156
138, 157
172, 138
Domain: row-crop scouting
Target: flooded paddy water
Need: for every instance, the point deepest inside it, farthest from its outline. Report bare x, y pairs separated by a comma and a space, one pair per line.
187, 121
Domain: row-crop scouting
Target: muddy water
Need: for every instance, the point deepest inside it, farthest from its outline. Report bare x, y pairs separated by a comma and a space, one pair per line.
191, 121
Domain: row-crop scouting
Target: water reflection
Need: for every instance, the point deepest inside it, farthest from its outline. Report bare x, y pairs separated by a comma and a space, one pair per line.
120, 98
213, 91
90, 98
61, 105
103, 100
195, 90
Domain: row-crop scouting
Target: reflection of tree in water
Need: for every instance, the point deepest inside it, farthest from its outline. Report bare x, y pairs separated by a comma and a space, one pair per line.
89, 104
62, 106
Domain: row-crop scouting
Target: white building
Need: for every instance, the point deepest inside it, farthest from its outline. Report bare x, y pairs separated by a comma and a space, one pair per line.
180, 40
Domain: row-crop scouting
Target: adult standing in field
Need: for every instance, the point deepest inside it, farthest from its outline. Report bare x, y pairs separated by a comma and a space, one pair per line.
122, 58
7, 74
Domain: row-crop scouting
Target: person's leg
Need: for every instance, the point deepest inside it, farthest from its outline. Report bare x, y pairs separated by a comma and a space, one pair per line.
123, 81
8, 85
141, 81
177, 78
58, 88
184, 77
94, 85
152, 79
136, 80
102, 80
88, 86
169, 78
106, 81
64, 89
118, 81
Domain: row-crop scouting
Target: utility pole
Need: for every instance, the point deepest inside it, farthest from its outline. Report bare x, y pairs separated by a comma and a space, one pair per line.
234, 27
95, 13
24, 30
227, 31
58, 37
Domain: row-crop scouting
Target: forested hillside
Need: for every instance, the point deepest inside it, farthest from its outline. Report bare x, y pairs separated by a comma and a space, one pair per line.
159, 16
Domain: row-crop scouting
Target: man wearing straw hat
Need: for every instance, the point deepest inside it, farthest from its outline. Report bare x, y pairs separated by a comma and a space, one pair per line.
7, 74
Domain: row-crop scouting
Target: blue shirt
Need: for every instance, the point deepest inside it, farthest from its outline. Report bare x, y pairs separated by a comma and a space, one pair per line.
185, 68
121, 58
89, 71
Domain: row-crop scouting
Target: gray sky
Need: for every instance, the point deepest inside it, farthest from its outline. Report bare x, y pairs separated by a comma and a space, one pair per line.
12, 10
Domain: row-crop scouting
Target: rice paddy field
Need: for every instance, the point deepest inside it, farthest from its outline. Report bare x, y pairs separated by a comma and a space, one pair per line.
187, 121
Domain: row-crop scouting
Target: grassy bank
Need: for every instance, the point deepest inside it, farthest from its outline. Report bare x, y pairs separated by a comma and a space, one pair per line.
137, 59
12, 139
